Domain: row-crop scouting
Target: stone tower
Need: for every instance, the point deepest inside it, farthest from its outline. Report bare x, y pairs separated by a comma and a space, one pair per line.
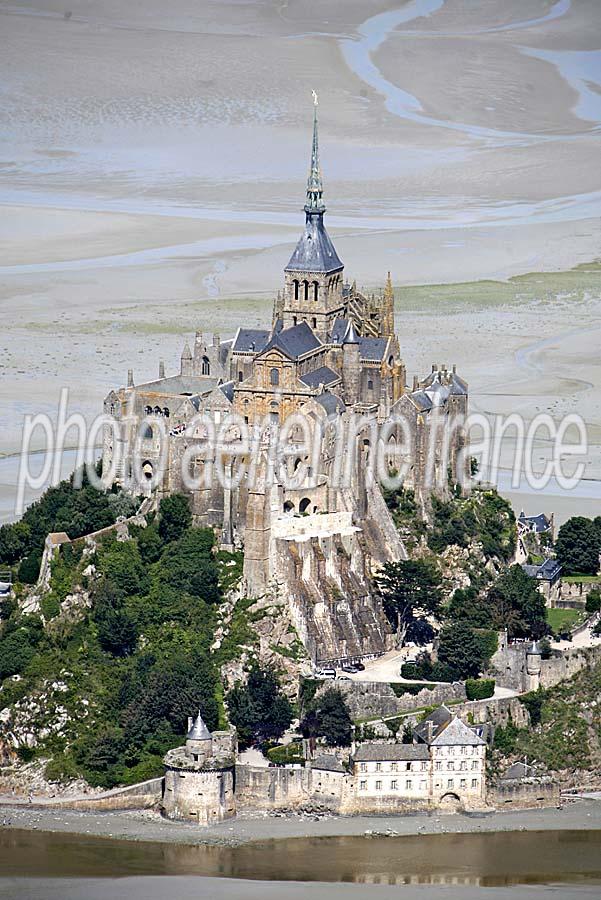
533, 667
351, 366
313, 276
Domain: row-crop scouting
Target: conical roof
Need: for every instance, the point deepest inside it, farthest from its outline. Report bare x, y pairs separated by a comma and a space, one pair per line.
199, 731
351, 336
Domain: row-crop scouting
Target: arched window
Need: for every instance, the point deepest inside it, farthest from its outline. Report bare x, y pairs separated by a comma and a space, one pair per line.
274, 376
370, 385
148, 410
314, 322
315, 290
240, 376
296, 289
158, 411
294, 320
306, 284
391, 361
288, 506
304, 505
147, 433
206, 366
166, 412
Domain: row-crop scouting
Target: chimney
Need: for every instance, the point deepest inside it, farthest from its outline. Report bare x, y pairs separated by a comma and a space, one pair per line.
430, 731
434, 367
130, 377
415, 383
161, 368
216, 340
454, 368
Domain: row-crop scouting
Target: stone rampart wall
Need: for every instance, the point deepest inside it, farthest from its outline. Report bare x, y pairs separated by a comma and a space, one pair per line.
524, 793
374, 698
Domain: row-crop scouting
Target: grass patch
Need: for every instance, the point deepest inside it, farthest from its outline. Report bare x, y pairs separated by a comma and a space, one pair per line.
564, 619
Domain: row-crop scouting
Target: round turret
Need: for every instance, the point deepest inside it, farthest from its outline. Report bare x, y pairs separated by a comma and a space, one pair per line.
199, 742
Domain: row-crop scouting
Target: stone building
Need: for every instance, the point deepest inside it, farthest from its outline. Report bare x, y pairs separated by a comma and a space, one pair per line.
200, 776
446, 769
331, 356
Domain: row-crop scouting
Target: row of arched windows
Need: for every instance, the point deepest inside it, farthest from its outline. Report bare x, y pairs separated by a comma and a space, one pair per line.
156, 411
308, 288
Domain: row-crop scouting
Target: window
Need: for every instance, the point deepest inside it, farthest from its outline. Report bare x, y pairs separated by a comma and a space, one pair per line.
240, 376
363, 767
294, 320
274, 376
295, 291
370, 385
463, 765
462, 783
438, 766
393, 767
424, 767
378, 785
306, 284
363, 785
451, 766
313, 322
450, 783
408, 784
474, 782
393, 784
408, 767
378, 767
206, 366
315, 290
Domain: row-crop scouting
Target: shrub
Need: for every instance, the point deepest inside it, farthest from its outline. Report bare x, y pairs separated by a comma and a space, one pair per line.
61, 769
479, 688
174, 517
413, 689
593, 601
29, 570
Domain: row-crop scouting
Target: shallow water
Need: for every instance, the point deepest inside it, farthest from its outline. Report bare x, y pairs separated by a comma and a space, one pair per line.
487, 859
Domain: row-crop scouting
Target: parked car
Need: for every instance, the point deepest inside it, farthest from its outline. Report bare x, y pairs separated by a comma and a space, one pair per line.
359, 666
325, 673
342, 678
348, 668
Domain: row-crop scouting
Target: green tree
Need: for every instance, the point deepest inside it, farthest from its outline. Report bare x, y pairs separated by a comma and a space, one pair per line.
578, 545
174, 517
593, 601
117, 631
329, 717
410, 590
461, 649
259, 709
517, 604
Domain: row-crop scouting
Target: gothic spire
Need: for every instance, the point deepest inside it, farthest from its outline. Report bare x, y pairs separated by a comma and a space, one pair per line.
314, 202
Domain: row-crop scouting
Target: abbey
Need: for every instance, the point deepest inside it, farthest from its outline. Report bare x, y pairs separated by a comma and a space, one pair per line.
329, 360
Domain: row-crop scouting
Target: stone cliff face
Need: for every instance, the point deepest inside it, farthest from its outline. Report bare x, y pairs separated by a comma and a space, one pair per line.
322, 567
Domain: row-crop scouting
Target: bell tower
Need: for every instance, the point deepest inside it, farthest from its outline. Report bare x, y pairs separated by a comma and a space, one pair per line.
313, 276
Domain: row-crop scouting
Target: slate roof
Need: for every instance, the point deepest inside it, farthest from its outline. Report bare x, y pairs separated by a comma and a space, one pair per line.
315, 251
549, 570
458, 385
228, 390
339, 329
199, 731
330, 402
519, 770
457, 733
328, 763
294, 341
372, 349
250, 340
381, 752
323, 375
421, 400
178, 385
439, 717
541, 522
